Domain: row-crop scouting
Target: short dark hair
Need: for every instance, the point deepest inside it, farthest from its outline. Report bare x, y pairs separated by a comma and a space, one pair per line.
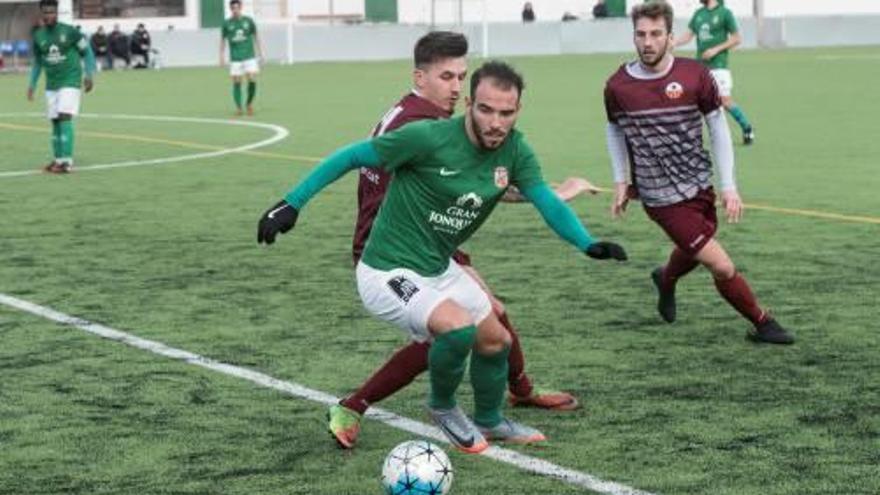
438, 45
504, 75
234, 2
654, 9
48, 3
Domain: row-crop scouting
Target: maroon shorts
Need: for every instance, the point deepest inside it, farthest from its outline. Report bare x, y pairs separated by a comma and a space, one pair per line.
461, 258
690, 224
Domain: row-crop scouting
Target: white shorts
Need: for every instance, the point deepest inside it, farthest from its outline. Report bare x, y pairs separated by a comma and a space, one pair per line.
63, 100
724, 81
407, 299
249, 66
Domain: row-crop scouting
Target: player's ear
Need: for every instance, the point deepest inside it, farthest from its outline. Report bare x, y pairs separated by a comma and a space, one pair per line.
418, 78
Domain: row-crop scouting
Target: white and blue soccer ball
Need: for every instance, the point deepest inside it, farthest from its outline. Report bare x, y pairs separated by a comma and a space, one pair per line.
417, 467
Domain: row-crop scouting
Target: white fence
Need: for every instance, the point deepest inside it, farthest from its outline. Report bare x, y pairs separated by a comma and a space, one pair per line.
295, 43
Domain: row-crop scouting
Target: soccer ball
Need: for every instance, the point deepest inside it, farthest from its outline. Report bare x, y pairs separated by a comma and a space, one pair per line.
417, 467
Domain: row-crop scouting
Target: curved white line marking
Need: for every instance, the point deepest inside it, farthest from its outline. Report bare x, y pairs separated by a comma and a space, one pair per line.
521, 461
279, 133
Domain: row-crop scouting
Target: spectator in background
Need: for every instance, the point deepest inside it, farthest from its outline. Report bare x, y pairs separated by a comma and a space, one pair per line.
600, 10
140, 46
528, 15
101, 47
119, 45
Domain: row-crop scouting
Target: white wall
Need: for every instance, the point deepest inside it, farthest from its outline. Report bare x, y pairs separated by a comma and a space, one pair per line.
419, 11
447, 11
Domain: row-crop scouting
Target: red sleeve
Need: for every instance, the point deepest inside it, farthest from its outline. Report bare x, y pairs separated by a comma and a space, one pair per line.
708, 99
611, 106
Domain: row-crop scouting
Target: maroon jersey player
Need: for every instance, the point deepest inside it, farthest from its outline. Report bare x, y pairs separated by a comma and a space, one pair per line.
656, 106
438, 77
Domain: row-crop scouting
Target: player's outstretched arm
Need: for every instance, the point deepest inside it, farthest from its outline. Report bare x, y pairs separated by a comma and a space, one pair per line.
684, 39
571, 188
560, 217
281, 217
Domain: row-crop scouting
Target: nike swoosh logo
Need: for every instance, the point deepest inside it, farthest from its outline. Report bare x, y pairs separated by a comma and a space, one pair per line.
446, 172
272, 213
468, 442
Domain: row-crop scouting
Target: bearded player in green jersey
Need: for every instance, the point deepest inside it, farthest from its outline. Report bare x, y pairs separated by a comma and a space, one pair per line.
448, 176
60, 49
245, 53
717, 33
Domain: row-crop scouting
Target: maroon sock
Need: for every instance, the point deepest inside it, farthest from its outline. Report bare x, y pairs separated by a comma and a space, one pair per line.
736, 291
517, 380
399, 371
679, 265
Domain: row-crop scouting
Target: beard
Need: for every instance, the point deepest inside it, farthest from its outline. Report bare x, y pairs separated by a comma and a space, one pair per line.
658, 55
478, 132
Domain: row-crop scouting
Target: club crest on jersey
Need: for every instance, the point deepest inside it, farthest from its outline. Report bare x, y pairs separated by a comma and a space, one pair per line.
674, 90
470, 200
501, 180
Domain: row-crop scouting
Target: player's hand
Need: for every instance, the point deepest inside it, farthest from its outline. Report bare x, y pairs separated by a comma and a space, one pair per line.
88, 84
603, 250
30, 94
732, 205
621, 199
582, 185
709, 53
277, 219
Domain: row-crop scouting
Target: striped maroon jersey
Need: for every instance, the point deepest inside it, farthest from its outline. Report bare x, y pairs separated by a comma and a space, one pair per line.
661, 116
373, 182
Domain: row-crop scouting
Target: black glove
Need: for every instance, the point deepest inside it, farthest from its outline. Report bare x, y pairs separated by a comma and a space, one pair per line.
604, 250
279, 218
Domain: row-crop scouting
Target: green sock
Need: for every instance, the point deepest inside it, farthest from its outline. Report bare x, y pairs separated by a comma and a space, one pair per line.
56, 139
66, 138
489, 379
740, 117
252, 91
447, 359
236, 94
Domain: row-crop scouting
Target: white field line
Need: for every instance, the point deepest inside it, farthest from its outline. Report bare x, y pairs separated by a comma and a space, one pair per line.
279, 133
522, 461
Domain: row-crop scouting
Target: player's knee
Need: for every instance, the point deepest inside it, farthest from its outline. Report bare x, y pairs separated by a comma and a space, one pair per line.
724, 270
492, 337
449, 316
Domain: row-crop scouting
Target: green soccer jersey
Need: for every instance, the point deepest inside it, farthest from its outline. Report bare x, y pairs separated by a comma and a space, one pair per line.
59, 49
712, 28
240, 34
443, 189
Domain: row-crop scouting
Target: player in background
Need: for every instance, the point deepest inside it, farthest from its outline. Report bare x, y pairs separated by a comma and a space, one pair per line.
656, 106
449, 174
440, 70
715, 28
61, 50
245, 53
